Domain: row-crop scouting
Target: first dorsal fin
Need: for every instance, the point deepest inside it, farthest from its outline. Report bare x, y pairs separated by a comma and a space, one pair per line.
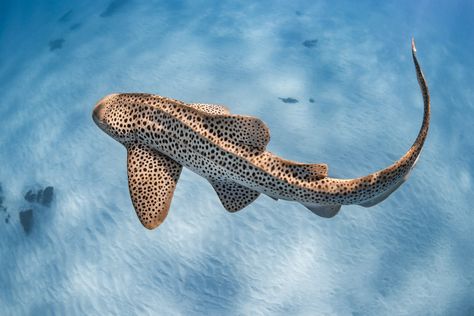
152, 179
234, 196
245, 132
213, 109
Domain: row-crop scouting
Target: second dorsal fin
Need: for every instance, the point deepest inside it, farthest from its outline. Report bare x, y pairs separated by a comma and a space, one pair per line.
306, 172
309, 172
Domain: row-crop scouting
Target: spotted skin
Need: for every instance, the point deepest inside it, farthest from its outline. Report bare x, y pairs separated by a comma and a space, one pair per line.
210, 108
152, 178
234, 196
229, 151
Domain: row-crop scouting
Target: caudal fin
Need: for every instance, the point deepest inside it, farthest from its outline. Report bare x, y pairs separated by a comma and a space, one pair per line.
386, 181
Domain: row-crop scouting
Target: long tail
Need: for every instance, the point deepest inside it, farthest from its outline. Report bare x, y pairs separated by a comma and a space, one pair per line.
379, 185
420, 140
376, 187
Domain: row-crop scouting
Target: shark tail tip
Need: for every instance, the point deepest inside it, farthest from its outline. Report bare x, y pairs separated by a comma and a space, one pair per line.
413, 47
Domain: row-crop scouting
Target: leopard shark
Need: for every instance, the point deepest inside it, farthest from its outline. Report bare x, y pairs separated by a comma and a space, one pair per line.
163, 135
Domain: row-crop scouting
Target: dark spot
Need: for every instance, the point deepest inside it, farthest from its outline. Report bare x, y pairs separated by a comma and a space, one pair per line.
311, 100
75, 26
113, 7
298, 13
26, 220
47, 197
42, 196
1, 194
288, 100
65, 17
310, 43
30, 196
56, 44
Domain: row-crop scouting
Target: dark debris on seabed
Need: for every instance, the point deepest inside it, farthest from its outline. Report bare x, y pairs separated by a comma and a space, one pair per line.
26, 220
37, 199
66, 17
113, 7
56, 44
41, 196
310, 43
288, 100
75, 26
3, 208
293, 100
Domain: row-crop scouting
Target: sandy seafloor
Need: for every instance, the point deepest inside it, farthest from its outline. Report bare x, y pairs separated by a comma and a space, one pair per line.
87, 254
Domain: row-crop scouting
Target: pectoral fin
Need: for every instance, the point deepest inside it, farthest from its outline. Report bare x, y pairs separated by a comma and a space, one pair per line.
234, 196
152, 179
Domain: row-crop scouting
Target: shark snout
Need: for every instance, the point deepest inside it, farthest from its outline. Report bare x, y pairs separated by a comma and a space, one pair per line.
98, 114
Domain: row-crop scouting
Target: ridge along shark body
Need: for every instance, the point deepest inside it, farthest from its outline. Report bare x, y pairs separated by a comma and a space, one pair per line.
162, 135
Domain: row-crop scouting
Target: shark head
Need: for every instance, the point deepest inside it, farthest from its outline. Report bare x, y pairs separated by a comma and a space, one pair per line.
114, 115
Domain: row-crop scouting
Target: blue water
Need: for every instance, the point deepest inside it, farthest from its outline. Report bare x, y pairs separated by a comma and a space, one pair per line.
335, 84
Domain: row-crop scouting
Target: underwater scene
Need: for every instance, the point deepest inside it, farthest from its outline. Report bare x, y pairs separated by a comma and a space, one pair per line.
335, 84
